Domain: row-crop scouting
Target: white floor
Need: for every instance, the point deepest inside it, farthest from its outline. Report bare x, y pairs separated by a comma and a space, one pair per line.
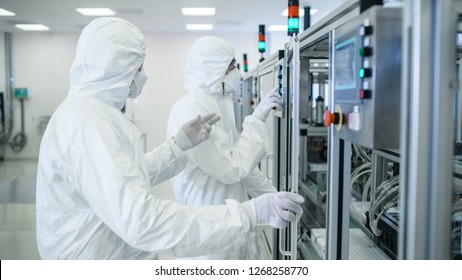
17, 232
17, 210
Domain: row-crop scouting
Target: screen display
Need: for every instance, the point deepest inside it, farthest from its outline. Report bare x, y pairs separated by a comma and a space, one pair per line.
345, 68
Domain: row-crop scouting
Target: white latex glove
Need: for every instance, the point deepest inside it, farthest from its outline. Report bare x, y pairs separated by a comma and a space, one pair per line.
273, 210
195, 131
272, 100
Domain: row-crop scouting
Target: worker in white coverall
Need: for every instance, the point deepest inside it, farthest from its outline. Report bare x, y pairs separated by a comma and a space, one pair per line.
225, 166
94, 182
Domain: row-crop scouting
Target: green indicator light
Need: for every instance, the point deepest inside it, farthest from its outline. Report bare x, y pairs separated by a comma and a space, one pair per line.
246, 68
361, 73
293, 24
361, 51
261, 46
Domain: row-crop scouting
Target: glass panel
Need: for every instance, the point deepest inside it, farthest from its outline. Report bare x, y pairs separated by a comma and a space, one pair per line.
456, 223
313, 154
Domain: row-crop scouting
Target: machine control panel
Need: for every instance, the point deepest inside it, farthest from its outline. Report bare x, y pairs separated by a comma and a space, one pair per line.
366, 78
280, 78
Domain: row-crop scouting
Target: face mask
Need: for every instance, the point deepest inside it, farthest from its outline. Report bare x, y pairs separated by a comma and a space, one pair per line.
137, 84
232, 81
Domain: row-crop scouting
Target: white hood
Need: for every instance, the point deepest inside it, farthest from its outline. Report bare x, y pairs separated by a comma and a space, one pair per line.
207, 62
103, 72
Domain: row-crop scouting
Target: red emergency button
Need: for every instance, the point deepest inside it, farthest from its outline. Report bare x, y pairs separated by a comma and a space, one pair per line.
330, 118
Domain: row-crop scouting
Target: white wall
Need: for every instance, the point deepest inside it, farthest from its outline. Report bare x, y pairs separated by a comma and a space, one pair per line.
41, 62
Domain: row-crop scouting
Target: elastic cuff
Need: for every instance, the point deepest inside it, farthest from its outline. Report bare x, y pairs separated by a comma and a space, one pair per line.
182, 141
250, 211
258, 117
177, 151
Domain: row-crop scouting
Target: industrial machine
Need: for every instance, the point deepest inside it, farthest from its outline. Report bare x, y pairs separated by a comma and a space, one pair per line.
381, 178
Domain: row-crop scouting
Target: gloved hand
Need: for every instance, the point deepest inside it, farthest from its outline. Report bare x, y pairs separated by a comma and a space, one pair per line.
273, 210
195, 131
272, 100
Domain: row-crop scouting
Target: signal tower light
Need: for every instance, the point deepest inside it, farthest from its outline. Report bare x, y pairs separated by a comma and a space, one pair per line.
293, 18
246, 67
261, 38
261, 41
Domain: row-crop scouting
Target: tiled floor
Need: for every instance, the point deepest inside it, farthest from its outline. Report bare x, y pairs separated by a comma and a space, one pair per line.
17, 232
17, 210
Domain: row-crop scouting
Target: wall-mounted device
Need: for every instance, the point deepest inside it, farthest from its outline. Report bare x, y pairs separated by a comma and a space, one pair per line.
21, 93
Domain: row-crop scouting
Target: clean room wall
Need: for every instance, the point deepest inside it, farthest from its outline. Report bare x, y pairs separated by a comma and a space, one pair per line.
41, 62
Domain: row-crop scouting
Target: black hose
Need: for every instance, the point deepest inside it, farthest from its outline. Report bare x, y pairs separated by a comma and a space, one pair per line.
19, 140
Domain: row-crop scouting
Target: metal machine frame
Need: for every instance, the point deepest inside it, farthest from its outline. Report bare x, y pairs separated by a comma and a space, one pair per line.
426, 138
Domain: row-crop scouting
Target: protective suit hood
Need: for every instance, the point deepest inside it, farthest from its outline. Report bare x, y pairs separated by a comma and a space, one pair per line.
103, 72
206, 65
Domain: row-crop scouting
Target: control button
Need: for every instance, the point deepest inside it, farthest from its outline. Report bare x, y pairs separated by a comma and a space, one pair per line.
367, 41
365, 30
330, 118
366, 63
367, 22
354, 119
366, 84
365, 73
366, 51
365, 94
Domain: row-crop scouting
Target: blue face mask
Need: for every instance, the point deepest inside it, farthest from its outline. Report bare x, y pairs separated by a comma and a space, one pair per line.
137, 84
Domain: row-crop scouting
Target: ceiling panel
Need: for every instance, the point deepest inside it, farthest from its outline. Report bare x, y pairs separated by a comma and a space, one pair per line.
156, 15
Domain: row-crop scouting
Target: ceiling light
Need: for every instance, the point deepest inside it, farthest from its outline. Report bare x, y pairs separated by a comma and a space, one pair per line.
199, 26
32, 27
6, 13
198, 11
301, 12
277, 28
96, 11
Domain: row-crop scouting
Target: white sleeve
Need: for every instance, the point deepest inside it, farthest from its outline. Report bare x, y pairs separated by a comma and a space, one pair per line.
164, 162
230, 162
256, 184
111, 182
221, 157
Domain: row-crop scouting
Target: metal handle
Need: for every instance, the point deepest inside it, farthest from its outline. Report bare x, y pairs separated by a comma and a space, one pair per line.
295, 135
282, 240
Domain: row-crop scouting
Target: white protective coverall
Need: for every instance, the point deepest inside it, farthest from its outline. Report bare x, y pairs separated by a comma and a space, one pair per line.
225, 166
94, 183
